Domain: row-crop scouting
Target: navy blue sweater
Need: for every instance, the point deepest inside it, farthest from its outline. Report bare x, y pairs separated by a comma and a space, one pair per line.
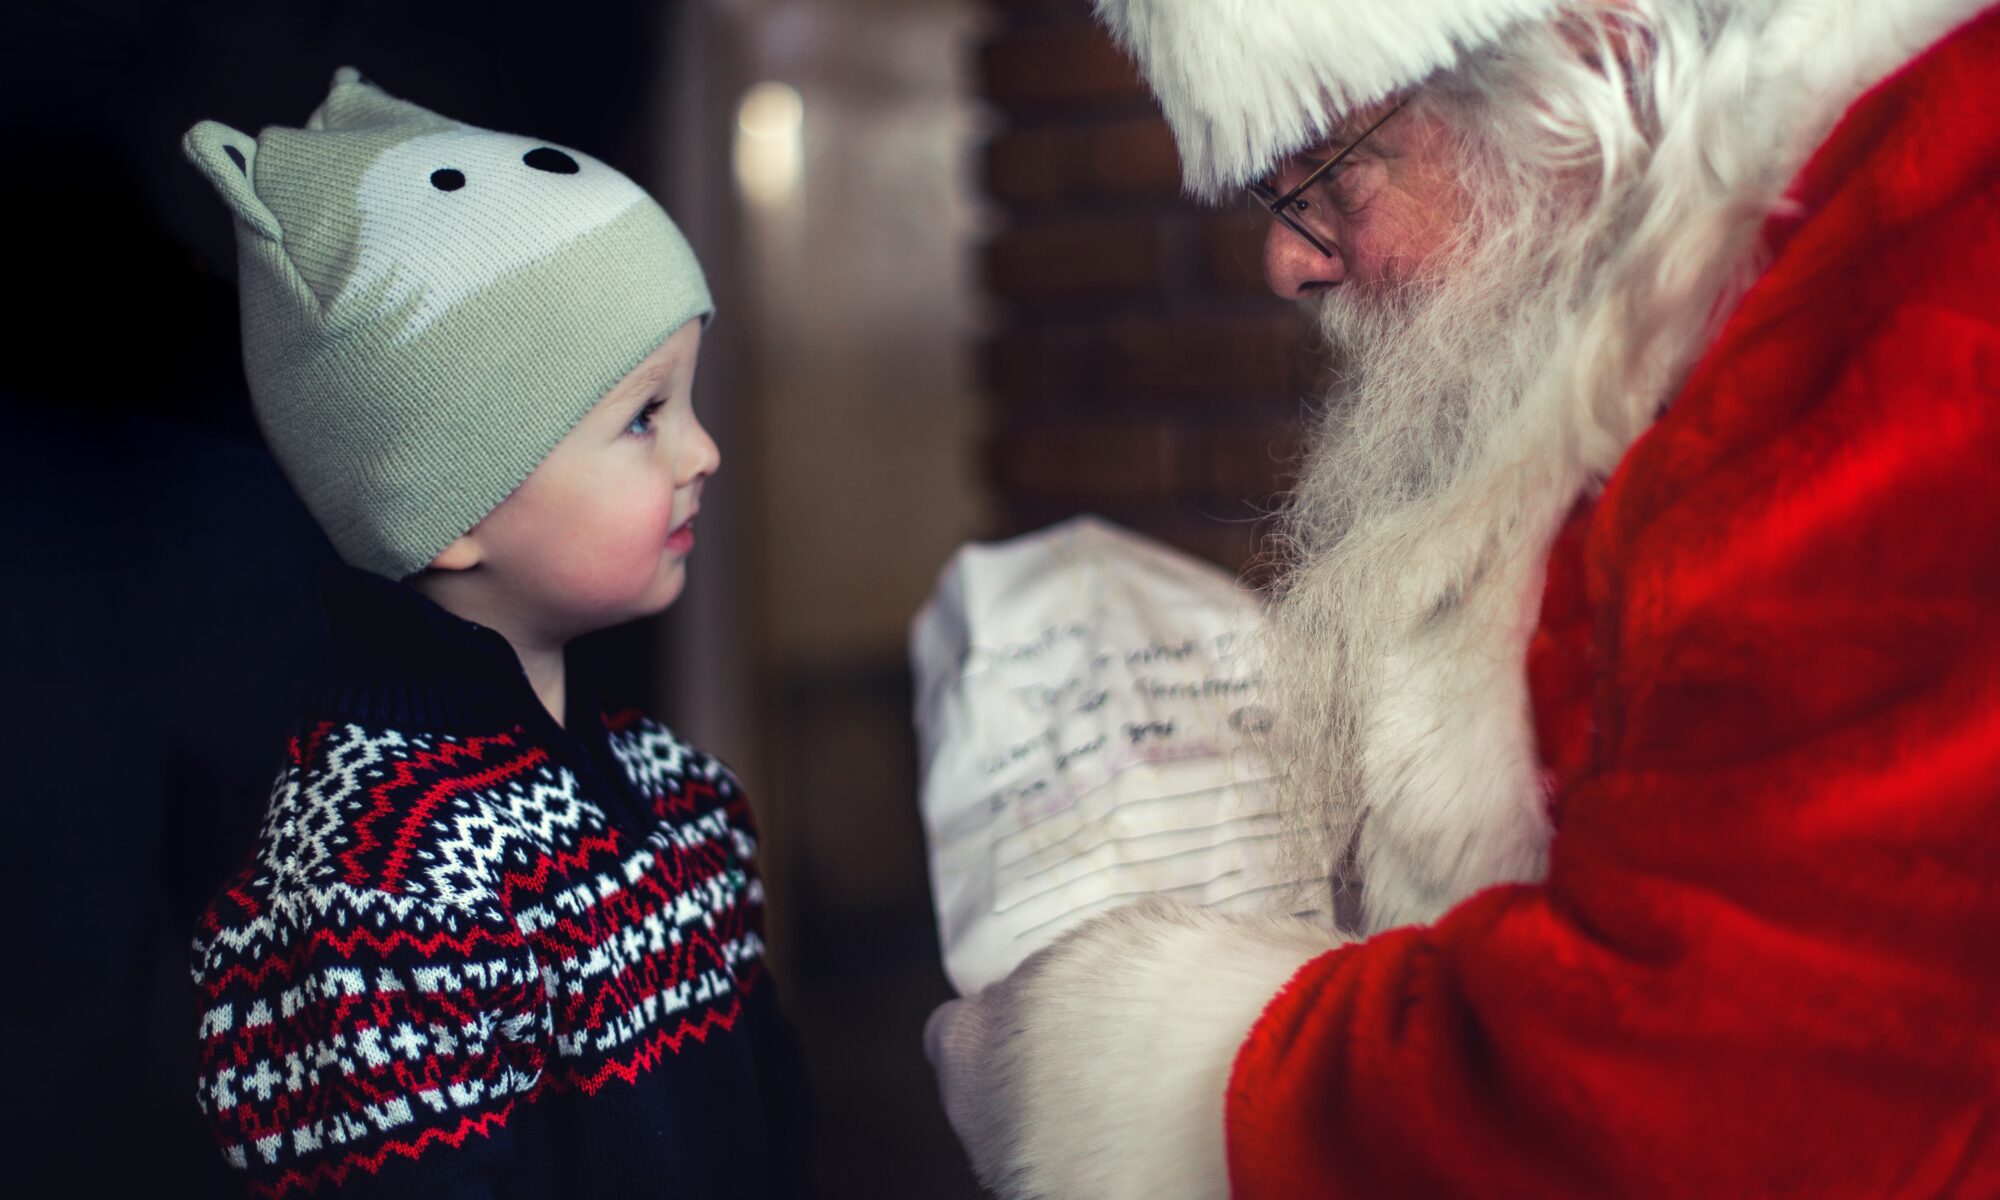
477, 954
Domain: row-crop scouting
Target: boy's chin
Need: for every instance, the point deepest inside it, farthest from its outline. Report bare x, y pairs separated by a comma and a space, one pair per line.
662, 591
670, 592
605, 607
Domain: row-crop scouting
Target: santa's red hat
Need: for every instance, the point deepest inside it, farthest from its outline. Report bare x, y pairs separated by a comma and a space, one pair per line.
1246, 82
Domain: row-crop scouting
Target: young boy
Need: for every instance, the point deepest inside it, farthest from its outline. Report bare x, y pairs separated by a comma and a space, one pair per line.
492, 941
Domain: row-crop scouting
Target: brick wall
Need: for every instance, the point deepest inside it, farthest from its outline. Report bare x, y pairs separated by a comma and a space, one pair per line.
1136, 367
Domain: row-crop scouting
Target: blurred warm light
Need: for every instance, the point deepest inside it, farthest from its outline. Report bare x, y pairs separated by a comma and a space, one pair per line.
767, 153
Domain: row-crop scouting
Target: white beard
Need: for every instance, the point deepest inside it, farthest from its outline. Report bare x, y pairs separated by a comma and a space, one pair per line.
1438, 478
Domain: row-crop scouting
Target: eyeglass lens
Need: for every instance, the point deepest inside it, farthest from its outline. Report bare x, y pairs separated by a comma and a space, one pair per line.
1290, 207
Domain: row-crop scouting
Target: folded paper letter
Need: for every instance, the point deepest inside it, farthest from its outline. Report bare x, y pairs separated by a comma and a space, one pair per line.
1088, 711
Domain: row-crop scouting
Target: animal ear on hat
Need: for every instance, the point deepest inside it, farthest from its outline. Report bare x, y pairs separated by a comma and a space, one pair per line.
354, 102
228, 157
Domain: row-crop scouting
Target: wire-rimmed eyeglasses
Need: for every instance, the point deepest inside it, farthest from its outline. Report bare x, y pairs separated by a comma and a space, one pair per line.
1284, 206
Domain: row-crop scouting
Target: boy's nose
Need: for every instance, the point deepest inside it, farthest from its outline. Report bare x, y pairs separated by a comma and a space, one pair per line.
700, 457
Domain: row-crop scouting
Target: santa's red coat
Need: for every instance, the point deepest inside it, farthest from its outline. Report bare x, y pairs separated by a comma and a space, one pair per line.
1766, 959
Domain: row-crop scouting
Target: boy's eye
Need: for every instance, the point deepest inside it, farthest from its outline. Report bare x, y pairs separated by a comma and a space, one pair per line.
642, 421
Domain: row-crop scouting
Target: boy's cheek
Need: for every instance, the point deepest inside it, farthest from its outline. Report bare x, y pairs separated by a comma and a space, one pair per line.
617, 564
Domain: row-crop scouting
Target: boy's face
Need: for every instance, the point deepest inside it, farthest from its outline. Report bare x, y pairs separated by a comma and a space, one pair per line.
600, 532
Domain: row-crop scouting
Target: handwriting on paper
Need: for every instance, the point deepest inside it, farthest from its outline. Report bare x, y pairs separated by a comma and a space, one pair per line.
1091, 707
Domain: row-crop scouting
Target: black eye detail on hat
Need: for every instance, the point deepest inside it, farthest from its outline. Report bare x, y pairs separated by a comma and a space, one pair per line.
236, 156
550, 159
446, 179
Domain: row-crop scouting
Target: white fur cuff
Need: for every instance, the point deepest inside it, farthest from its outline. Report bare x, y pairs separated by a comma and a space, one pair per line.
1115, 1047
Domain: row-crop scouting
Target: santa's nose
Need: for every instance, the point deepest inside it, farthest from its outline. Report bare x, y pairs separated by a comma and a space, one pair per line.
1294, 268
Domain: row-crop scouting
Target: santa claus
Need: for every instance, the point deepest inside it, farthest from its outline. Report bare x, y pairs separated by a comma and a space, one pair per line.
1640, 640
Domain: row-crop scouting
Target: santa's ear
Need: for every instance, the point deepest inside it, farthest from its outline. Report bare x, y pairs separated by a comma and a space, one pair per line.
228, 158
463, 554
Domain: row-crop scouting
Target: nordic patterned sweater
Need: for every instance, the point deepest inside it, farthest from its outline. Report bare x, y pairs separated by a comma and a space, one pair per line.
476, 954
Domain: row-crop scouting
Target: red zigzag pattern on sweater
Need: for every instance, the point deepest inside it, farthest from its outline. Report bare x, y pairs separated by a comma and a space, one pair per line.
436, 929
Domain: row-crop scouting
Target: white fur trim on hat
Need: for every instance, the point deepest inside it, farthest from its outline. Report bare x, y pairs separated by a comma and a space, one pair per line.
1245, 82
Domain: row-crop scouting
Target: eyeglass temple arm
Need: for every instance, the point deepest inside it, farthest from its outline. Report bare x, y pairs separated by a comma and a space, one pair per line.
1331, 163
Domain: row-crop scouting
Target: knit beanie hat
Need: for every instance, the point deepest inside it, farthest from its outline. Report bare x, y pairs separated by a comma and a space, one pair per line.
428, 307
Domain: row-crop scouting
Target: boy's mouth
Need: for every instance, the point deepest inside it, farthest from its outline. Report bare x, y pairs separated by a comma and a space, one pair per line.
680, 539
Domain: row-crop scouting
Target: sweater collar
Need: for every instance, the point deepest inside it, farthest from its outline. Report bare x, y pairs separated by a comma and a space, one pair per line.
400, 660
